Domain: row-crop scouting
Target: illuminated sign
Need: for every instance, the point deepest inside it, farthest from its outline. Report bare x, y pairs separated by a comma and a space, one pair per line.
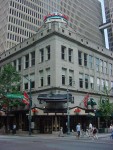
55, 15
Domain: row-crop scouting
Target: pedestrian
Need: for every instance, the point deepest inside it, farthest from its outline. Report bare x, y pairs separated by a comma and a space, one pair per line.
90, 129
61, 132
32, 126
90, 125
14, 129
78, 129
95, 133
111, 129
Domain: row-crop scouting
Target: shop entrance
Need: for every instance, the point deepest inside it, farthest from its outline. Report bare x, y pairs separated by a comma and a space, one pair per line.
47, 124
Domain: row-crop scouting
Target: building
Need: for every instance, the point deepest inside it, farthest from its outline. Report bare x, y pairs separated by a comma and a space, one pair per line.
65, 69
108, 24
20, 19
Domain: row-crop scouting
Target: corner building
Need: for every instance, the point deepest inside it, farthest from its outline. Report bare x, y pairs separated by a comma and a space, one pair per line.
64, 68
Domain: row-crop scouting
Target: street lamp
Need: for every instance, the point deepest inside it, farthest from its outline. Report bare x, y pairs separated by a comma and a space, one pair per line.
95, 116
68, 111
30, 102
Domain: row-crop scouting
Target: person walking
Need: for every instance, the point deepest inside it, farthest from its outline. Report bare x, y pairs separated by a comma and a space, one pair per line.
111, 129
32, 127
14, 129
78, 129
61, 132
90, 129
95, 133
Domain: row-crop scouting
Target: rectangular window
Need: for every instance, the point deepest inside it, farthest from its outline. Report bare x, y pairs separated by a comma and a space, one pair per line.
27, 61
32, 77
48, 52
19, 64
41, 81
32, 84
32, 58
101, 66
79, 57
112, 86
97, 64
71, 77
98, 84
110, 69
91, 82
48, 77
41, 74
41, 55
14, 63
105, 67
102, 83
86, 81
63, 52
64, 70
85, 60
81, 80
70, 54
25, 81
26, 86
107, 84
90, 61
48, 80
70, 80
63, 79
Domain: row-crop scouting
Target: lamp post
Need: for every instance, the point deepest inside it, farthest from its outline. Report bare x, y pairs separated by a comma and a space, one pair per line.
95, 116
68, 111
30, 103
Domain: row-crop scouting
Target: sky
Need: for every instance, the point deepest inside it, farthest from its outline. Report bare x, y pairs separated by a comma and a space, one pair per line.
104, 20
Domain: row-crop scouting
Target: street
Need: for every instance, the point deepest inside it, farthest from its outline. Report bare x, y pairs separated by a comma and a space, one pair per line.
48, 142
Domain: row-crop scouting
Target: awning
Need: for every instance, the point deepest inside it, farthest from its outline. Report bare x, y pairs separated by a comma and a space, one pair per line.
54, 97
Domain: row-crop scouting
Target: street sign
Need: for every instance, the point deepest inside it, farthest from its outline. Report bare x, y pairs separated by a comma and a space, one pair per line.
15, 96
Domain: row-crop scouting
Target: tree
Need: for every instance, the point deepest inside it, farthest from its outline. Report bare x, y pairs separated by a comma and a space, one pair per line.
9, 79
105, 107
9, 82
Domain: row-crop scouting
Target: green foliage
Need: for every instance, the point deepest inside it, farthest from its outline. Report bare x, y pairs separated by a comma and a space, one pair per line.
5, 103
105, 107
9, 83
9, 79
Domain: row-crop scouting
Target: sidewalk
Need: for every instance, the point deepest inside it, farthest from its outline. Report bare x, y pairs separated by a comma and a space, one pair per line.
100, 135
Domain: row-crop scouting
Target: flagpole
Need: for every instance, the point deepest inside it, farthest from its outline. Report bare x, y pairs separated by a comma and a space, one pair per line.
68, 110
